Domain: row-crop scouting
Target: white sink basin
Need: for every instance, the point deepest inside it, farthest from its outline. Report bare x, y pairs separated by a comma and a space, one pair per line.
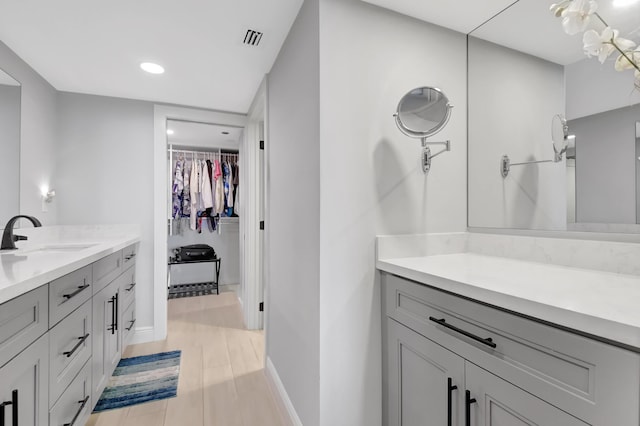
51, 248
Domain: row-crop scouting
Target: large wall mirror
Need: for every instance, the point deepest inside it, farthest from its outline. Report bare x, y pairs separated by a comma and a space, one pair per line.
10, 92
524, 70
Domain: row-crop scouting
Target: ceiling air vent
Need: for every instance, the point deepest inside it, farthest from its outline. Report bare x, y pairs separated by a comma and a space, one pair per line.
252, 38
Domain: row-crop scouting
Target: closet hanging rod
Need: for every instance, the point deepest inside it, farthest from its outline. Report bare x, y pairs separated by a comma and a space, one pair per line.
184, 151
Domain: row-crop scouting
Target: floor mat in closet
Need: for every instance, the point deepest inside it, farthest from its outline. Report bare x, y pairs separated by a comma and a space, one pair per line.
177, 291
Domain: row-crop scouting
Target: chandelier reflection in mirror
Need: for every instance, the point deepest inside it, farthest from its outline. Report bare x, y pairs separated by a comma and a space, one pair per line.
422, 113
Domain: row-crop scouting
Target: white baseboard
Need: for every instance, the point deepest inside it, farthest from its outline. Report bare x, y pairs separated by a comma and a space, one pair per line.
281, 396
143, 335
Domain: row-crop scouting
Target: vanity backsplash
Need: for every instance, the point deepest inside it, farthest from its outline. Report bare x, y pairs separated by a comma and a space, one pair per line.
607, 256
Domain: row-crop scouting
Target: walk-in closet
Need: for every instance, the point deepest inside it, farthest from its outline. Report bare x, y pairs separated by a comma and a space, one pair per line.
204, 209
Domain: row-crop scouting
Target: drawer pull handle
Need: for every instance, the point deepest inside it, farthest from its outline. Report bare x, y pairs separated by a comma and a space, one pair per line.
14, 409
75, 348
131, 287
82, 404
450, 388
75, 293
131, 326
488, 341
467, 402
131, 256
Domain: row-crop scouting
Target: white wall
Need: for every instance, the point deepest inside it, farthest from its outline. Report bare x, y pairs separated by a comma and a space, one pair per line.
227, 247
372, 183
37, 136
293, 225
512, 100
606, 163
105, 174
10, 146
593, 87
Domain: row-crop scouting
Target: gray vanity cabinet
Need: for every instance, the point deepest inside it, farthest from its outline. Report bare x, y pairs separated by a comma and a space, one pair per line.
106, 337
422, 377
516, 370
24, 386
499, 403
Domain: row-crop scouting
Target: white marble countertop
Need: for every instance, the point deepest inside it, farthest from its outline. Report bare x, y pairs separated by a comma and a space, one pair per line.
602, 304
52, 252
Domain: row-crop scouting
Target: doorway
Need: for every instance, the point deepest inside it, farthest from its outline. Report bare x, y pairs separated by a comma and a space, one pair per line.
249, 289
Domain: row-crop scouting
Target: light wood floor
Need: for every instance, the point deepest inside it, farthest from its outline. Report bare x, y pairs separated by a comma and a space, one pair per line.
222, 381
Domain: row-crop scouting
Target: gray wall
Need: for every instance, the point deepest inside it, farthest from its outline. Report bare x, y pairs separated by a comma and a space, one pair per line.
593, 87
10, 152
512, 100
105, 173
606, 166
37, 136
293, 219
372, 183
226, 244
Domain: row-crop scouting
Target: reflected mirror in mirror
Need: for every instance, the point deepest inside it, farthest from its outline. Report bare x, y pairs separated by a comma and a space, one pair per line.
523, 70
423, 112
10, 93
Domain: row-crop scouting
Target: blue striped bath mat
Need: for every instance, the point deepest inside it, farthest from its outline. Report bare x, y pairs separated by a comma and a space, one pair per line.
141, 379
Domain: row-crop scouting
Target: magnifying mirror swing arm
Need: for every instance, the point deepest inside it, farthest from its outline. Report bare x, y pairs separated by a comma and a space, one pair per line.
565, 138
441, 104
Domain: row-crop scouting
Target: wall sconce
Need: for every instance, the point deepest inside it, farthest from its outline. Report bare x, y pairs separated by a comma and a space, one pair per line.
47, 197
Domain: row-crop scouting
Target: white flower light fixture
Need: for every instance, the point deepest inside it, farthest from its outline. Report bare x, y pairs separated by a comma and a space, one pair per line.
576, 16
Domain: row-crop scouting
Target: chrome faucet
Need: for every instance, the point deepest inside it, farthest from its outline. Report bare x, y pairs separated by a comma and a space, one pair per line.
8, 239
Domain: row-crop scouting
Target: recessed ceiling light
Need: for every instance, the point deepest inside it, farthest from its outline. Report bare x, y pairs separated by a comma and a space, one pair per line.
170, 132
225, 133
623, 3
152, 68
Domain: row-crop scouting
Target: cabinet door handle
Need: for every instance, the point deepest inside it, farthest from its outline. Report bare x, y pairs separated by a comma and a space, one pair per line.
115, 318
75, 348
14, 409
467, 402
82, 404
130, 287
450, 388
488, 341
75, 293
131, 326
112, 327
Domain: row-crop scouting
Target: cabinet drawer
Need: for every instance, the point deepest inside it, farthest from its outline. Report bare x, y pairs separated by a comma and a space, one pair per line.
128, 324
74, 406
582, 376
127, 283
105, 270
69, 350
22, 321
129, 255
69, 292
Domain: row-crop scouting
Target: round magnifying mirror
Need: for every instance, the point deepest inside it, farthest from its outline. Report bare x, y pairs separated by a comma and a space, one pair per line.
559, 134
423, 112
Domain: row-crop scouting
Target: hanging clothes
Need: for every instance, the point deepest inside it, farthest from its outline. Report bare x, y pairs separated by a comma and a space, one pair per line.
186, 191
205, 188
236, 182
219, 190
178, 186
194, 186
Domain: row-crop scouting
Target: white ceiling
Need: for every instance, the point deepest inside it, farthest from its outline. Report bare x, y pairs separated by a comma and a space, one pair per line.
460, 15
96, 47
201, 135
525, 25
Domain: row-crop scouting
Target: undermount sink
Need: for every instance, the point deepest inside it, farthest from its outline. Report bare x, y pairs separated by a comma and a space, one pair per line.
52, 248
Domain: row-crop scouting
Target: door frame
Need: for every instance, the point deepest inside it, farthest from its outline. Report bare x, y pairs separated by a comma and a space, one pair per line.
253, 261
161, 114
